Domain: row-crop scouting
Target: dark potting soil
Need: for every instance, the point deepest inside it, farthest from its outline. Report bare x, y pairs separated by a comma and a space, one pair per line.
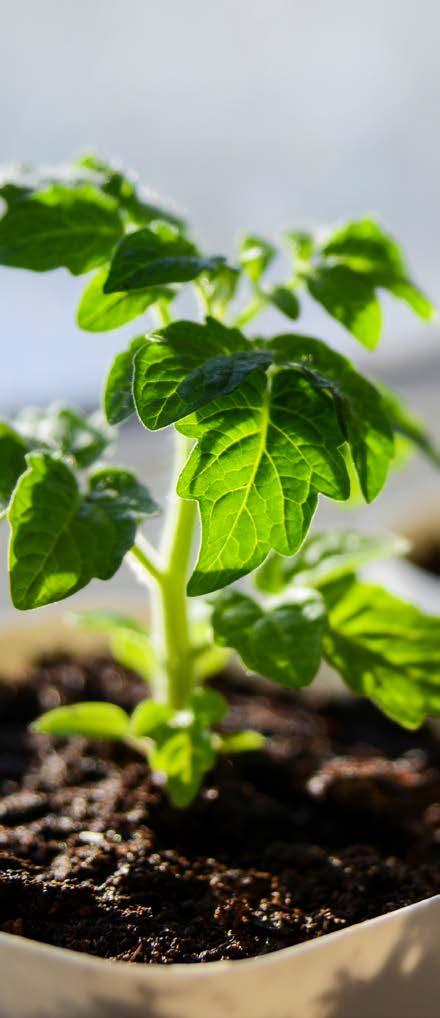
337, 821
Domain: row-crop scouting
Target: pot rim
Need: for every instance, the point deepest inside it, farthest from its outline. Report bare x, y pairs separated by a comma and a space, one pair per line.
210, 968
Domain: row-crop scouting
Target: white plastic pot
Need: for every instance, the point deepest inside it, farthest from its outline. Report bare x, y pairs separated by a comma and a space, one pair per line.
384, 968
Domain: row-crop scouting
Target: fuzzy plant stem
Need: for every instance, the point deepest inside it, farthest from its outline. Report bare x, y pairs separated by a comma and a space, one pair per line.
166, 574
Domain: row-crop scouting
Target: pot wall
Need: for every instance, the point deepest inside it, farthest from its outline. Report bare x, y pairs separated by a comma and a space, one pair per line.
384, 968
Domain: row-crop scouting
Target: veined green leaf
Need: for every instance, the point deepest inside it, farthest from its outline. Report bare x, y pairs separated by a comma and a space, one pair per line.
324, 558
100, 312
361, 409
74, 227
405, 423
118, 387
12, 462
60, 538
283, 643
164, 363
67, 431
145, 258
92, 720
349, 298
385, 649
255, 256
263, 454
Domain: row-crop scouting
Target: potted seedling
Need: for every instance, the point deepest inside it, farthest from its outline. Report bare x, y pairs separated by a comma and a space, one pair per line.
172, 829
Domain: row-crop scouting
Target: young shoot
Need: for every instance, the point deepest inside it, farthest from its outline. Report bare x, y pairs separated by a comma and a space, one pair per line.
262, 428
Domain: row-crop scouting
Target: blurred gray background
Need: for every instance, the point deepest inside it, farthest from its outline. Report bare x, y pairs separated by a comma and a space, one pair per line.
249, 114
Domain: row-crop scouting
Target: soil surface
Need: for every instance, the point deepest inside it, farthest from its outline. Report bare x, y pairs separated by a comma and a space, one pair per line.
337, 821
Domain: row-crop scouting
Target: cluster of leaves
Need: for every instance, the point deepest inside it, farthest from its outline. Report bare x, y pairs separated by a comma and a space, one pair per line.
313, 608
273, 423
181, 745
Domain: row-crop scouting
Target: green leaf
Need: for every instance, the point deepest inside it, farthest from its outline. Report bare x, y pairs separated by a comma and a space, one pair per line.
67, 431
91, 720
118, 387
301, 244
168, 358
246, 741
184, 756
12, 462
255, 256
364, 246
405, 290
349, 298
324, 558
263, 454
218, 289
105, 622
133, 650
285, 300
283, 643
149, 719
209, 706
405, 423
385, 649
121, 491
144, 258
130, 644
60, 538
100, 312
362, 411
74, 227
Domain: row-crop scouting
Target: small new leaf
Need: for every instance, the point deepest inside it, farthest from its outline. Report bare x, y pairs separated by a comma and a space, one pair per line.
184, 756
255, 256
283, 643
91, 720
66, 431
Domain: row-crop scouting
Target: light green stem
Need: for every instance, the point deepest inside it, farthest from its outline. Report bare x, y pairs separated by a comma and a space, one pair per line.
174, 677
248, 313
